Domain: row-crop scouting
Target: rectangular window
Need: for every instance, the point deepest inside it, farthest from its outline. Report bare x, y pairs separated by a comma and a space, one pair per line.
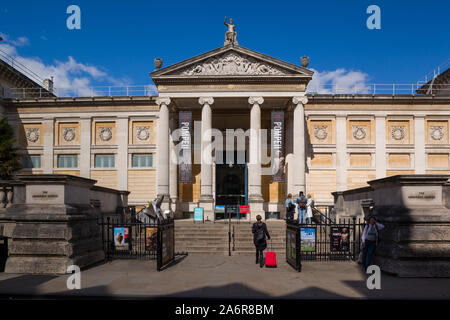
31, 162
104, 161
67, 161
142, 160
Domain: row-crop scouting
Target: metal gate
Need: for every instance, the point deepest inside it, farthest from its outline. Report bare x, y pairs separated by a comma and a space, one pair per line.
144, 241
323, 241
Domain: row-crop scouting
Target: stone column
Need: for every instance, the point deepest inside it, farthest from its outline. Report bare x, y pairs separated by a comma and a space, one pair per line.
380, 146
206, 199
173, 185
341, 153
122, 153
85, 148
163, 162
48, 135
255, 198
419, 144
299, 148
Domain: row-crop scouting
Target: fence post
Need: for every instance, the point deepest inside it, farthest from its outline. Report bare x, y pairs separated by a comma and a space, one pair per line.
107, 239
158, 248
354, 238
298, 257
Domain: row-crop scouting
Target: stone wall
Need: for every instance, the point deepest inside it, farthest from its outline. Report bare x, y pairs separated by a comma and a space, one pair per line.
416, 212
52, 222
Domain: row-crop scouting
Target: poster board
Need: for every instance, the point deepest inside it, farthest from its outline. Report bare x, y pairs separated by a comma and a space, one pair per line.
151, 238
198, 214
308, 239
340, 239
121, 237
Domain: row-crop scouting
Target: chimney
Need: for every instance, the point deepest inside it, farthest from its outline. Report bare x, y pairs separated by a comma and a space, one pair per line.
48, 84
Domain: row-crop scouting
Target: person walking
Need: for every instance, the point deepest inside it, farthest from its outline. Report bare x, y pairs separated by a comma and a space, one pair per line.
309, 205
259, 230
369, 240
301, 202
290, 207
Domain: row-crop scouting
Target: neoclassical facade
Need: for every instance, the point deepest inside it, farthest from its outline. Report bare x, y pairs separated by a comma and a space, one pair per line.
330, 142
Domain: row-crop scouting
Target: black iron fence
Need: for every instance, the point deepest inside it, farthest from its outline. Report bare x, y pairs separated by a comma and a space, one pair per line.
325, 241
134, 240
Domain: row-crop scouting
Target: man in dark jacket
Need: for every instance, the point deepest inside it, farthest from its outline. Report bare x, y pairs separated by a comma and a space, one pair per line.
259, 230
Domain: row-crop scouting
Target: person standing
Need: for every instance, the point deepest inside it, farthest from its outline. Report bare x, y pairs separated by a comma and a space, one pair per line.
290, 207
309, 205
259, 230
301, 202
369, 240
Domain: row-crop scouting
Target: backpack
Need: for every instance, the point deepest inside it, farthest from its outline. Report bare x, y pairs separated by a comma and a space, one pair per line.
291, 206
259, 234
302, 202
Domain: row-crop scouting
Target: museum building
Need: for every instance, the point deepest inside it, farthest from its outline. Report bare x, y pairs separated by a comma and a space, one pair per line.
327, 142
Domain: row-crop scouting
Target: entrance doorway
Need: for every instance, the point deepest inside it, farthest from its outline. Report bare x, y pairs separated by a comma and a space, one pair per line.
231, 184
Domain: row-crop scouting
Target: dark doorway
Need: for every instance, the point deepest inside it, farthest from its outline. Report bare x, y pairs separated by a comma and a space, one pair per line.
231, 183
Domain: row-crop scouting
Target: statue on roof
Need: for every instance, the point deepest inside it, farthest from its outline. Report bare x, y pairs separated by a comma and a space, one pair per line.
231, 34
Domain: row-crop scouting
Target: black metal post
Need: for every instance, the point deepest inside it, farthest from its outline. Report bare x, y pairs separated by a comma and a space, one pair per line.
108, 245
229, 230
298, 249
354, 238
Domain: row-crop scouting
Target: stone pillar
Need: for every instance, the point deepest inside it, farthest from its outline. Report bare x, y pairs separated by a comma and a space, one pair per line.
341, 153
299, 145
163, 160
85, 148
173, 185
380, 146
122, 153
206, 199
289, 133
255, 199
48, 135
419, 144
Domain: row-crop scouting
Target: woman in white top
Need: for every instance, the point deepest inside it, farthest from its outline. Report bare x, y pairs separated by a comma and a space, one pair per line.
369, 240
309, 204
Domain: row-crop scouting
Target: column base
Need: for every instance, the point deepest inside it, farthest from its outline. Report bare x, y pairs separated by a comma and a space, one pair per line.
256, 204
207, 203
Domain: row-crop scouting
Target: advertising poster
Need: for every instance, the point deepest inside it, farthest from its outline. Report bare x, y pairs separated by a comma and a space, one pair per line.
122, 238
167, 246
185, 163
340, 239
151, 236
277, 146
308, 239
291, 244
198, 214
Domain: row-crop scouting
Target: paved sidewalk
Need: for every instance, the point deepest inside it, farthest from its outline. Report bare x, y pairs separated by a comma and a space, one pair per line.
227, 277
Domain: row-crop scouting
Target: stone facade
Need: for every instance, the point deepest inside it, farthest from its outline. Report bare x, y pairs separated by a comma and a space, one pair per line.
333, 142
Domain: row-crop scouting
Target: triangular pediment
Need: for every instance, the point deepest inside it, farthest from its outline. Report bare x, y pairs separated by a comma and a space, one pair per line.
232, 61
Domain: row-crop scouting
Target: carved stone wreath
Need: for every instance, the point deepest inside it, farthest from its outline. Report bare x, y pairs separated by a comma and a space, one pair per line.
321, 132
69, 134
232, 64
436, 132
32, 134
359, 132
143, 133
398, 132
105, 134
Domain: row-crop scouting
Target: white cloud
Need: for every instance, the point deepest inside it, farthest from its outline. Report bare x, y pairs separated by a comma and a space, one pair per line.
339, 81
70, 77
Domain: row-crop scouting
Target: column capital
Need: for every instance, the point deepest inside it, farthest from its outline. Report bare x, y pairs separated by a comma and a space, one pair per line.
206, 100
302, 99
163, 100
256, 100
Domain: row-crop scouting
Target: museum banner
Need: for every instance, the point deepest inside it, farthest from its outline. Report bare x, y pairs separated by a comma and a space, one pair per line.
277, 146
185, 163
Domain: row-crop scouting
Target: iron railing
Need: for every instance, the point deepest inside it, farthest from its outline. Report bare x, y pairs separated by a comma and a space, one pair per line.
372, 89
340, 241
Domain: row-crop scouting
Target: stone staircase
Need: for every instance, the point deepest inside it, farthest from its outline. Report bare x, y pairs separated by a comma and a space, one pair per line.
212, 238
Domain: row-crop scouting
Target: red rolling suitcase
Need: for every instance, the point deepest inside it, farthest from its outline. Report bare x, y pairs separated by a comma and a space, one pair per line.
271, 258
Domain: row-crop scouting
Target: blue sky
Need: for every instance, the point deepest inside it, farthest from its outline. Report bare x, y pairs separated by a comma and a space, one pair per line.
118, 40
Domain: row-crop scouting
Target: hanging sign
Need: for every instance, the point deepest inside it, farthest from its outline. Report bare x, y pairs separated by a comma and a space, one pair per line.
340, 239
308, 239
277, 146
185, 163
